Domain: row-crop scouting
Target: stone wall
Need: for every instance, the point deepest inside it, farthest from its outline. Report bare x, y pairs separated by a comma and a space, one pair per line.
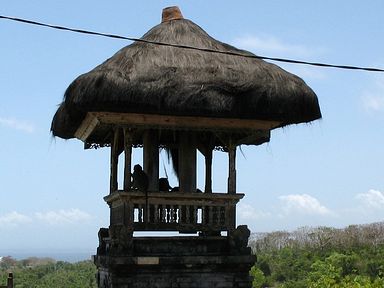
178, 262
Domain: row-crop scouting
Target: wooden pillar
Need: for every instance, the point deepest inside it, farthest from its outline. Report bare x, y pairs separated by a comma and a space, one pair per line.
232, 169
206, 147
151, 159
187, 163
232, 186
127, 159
208, 170
114, 160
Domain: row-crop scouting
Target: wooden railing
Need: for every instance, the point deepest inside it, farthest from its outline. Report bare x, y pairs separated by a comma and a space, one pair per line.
173, 211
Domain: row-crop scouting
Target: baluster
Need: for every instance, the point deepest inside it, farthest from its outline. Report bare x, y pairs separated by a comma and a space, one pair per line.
151, 213
178, 220
215, 215
146, 213
143, 213
173, 213
160, 211
210, 221
203, 214
206, 215
130, 214
163, 213
182, 214
187, 218
170, 214
156, 216
140, 214
135, 214
194, 214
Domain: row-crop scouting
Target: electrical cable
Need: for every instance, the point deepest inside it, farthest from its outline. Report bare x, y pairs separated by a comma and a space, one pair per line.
291, 61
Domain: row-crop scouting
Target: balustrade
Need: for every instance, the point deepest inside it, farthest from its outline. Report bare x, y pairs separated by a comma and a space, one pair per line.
173, 211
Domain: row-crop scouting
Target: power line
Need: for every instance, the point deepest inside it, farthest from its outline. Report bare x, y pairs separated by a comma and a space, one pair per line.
292, 61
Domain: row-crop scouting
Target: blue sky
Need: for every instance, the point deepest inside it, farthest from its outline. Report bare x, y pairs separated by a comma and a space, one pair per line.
329, 172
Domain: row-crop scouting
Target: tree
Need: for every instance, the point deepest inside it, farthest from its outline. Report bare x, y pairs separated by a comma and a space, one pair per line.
258, 277
7, 262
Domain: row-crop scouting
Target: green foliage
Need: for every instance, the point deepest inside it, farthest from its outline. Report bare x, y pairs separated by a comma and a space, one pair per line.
258, 277
323, 274
46, 273
320, 258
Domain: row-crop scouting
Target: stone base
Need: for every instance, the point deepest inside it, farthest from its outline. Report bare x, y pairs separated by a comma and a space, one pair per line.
182, 262
178, 272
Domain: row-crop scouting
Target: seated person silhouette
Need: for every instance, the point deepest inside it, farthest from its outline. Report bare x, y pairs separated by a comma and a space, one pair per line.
139, 179
164, 185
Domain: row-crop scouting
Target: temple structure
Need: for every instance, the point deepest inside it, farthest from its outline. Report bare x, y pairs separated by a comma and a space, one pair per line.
196, 94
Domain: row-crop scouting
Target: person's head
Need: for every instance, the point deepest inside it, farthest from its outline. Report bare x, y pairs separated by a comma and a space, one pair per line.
164, 184
137, 168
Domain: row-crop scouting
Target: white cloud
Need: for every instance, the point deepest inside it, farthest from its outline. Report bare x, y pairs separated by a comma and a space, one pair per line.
17, 124
71, 216
305, 71
374, 102
248, 212
373, 199
303, 204
373, 97
271, 46
14, 219
63, 216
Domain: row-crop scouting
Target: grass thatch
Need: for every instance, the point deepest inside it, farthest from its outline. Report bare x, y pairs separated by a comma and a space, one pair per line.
147, 78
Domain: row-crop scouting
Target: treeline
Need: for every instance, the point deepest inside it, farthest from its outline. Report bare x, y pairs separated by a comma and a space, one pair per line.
36, 272
320, 257
320, 237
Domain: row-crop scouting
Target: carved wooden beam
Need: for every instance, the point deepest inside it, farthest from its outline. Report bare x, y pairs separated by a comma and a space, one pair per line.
95, 119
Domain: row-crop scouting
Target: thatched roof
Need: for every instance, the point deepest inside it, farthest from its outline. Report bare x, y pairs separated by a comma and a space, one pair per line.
148, 78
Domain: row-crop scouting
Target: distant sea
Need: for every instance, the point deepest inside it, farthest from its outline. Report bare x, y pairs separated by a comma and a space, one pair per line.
67, 256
